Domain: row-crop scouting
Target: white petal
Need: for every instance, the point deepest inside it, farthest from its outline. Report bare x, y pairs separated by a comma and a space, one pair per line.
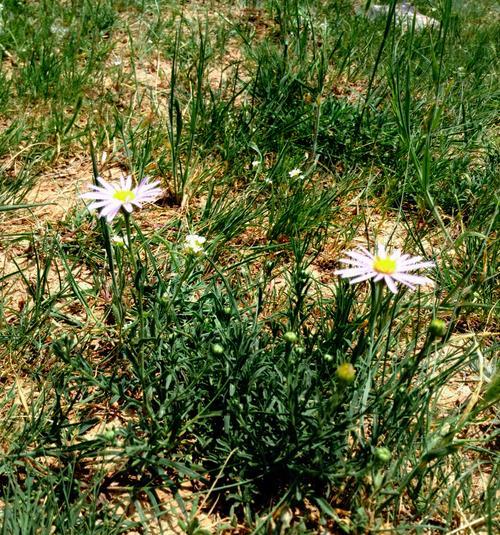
351, 272
96, 196
111, 215
362, 278
381, 250
410, 266
109, 208
364, 259
106, 185
391, 284
97, 204
408, 279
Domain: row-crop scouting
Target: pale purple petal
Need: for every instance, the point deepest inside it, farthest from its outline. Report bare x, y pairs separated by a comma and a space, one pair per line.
97, 204
362, 278
411, 279
390, 284
407, 258
96, 196
409, 266
366, 252
352, 272
110, 207
111, 214
106, 185
381, 250
365, 260
354, 263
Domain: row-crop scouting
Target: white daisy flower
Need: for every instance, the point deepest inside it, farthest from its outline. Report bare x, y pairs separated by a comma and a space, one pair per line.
296, 173
111, 198
384, 266
193, 244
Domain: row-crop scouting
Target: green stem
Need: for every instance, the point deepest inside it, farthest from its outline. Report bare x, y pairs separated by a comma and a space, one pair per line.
137, 289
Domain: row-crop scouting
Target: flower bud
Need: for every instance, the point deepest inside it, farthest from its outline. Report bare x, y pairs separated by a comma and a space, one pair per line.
290, 337
217, 349
383, 454
328, 357
346, 373
437, 328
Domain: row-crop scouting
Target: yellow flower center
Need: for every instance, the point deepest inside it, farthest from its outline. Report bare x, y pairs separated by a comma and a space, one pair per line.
124, 195
386, 265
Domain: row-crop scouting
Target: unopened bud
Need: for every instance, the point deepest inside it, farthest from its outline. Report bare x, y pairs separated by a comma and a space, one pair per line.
437, 328
290, 337
383, 454
217, 349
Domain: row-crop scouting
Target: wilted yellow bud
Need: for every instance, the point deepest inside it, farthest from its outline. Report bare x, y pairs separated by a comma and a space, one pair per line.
346, 373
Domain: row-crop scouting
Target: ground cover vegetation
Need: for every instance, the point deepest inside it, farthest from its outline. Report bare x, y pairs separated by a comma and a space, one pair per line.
212, 361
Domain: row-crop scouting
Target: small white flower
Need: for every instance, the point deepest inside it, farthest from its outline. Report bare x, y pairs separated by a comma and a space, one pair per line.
296, 173
193, 244
58, 29
111, 198
383, 266
255, 163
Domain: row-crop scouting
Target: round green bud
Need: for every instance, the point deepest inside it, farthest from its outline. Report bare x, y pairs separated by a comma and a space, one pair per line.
290, 337
300, 350
217, 349
383, 454
437, 328
346, 373
227, 311
328, 357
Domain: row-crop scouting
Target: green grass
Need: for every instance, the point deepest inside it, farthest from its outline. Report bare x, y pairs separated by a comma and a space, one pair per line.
132, 373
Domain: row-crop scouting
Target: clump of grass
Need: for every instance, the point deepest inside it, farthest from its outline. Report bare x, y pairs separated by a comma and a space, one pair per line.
287, 398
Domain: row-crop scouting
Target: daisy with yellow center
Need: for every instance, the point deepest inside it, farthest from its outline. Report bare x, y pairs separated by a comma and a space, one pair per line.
383, 266
111, 198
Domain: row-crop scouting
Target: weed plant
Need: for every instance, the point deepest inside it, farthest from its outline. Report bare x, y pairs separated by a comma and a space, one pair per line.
239, 384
